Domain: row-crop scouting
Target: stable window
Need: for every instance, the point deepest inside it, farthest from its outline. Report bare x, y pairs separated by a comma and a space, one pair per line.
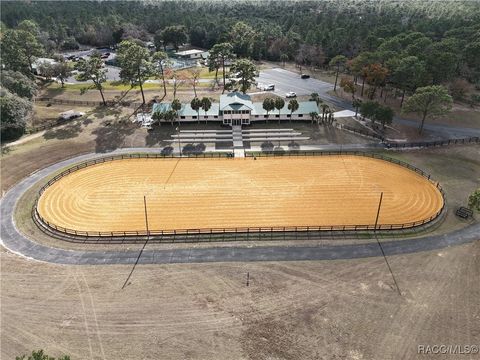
182, 117
289, 116
194, 117
277, 116
300, 115
215, 116
205, 117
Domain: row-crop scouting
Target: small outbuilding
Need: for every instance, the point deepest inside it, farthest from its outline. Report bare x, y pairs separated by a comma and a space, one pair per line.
192, 54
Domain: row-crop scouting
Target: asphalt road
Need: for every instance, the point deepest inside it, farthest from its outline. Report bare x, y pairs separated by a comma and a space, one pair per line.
286, 81
17, 243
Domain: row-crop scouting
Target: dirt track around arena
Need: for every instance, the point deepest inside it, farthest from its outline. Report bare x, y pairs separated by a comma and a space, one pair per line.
225, 193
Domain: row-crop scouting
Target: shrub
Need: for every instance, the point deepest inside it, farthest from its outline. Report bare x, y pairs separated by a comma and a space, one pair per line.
474, 200
458, 89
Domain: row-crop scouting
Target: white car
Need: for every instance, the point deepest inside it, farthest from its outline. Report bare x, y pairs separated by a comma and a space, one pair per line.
270, 87
290, 94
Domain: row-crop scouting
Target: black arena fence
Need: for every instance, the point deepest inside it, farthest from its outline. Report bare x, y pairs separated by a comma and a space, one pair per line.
88, 103
221, 234
427, 144
360, 132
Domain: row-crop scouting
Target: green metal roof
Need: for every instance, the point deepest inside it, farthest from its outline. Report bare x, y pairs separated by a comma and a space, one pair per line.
304, 107
235, 98
161, 107
186, 109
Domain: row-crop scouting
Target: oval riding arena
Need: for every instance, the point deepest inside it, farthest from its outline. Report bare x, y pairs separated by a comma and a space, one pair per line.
175, 195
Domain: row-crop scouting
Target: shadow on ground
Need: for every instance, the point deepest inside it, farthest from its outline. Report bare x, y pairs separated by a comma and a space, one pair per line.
267, 146
69, 131
159, 134
191, 149
53, 92
103, 111
155, 137
111, 135
167, 150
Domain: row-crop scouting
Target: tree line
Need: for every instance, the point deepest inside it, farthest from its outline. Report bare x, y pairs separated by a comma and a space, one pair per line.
308, 32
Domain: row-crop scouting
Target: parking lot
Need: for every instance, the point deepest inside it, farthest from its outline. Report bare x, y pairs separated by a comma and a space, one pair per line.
286, 81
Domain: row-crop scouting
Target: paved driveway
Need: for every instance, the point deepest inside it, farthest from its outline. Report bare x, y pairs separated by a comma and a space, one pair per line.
286, 81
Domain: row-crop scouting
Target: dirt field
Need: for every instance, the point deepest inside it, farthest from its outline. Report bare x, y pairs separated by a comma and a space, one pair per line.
228, 193
292, 310
345, 309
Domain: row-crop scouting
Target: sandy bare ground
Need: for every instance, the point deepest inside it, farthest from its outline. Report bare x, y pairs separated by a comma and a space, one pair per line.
231, 193
293, 310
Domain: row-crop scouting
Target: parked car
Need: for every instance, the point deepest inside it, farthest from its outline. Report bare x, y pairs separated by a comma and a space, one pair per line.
290, 94
269, 87
305, 76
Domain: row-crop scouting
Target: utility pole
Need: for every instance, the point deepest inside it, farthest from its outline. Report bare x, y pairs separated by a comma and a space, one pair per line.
378, 211
178, 137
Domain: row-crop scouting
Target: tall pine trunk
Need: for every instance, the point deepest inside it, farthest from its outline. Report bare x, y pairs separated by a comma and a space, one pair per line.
216, 77
336, 78
403, 97
163, 80
423, 122
223, 67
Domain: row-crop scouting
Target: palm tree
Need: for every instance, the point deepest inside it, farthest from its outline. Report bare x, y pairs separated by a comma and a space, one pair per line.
196, 104
279, 104
176, 105
325, 109
315, 97
313, 115
292, 106
157, 116
206, 105
169, 116
330, 117
268, 105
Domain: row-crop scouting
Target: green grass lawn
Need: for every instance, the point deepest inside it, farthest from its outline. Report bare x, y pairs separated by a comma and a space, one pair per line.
115, 85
